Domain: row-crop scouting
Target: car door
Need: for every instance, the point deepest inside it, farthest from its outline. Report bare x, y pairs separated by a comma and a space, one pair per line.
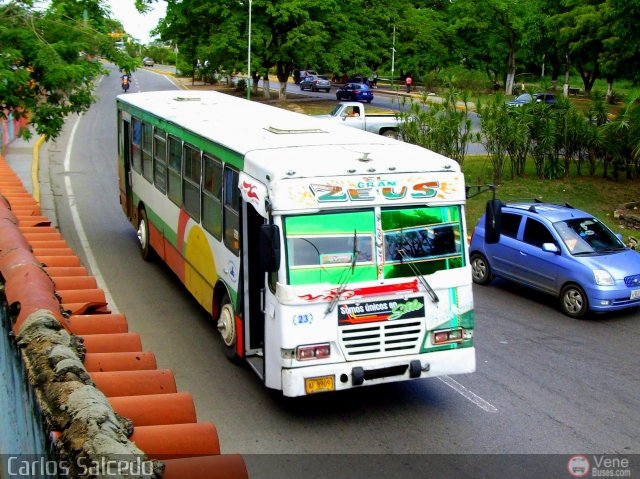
537, 268
501, 255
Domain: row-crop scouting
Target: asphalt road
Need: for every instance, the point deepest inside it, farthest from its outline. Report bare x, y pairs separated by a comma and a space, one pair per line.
545, 384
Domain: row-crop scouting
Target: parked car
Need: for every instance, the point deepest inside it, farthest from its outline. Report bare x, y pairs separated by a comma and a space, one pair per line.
147, 62
559, 250
526, 98
315, 83
299, 75
354, 92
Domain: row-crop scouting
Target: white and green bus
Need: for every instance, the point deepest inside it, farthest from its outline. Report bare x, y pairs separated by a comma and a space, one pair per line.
330, 258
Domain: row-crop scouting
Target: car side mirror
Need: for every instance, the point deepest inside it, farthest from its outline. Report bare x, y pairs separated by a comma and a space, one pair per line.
269, 248
550, 248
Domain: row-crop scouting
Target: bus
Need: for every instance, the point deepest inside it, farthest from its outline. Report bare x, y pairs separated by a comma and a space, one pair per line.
329, 258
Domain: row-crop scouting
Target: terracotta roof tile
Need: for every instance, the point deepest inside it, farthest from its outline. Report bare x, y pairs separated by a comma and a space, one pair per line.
42, 273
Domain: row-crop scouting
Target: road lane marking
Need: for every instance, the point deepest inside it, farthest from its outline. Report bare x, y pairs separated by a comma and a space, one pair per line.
466, 393
75, 216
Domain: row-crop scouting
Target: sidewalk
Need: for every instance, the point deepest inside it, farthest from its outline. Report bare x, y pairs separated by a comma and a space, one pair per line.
30, 161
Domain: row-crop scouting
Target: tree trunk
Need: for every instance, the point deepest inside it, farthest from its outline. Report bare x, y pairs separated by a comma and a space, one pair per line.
609, 90
565, 88
283, 71
266, 91
511, 73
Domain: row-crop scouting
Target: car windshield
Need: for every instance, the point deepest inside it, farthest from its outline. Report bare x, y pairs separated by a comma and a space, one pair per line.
525, 98
587, 236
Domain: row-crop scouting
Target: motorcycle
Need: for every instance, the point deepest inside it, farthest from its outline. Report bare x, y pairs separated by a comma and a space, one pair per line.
125, 83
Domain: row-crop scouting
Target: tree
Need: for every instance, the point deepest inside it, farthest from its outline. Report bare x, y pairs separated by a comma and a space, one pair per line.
48, 63
582, 27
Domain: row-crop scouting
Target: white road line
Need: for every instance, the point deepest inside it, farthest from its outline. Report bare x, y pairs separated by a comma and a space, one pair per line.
466, 393
75, 216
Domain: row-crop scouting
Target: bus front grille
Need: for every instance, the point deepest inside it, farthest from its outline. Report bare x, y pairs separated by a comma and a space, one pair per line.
385, 338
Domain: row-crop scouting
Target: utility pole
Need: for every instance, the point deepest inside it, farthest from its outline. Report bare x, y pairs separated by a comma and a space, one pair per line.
249, 56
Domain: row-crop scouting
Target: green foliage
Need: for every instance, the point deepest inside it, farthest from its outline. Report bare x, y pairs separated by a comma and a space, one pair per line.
443, 127
561, 138
48, 64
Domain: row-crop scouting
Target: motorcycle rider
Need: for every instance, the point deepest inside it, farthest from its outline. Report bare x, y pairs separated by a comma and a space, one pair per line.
125, 81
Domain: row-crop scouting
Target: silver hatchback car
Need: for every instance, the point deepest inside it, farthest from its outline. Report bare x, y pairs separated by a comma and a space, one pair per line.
315, 83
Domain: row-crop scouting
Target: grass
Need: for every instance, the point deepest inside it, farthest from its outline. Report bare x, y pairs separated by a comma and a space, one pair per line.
597, 195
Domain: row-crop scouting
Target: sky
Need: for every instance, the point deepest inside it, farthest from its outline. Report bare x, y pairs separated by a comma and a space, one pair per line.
135, 23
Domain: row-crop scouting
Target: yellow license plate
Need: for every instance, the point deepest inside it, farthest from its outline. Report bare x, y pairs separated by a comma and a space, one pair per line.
318, 385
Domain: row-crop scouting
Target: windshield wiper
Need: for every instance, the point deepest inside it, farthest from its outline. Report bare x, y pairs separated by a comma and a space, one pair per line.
423, 281
345, 275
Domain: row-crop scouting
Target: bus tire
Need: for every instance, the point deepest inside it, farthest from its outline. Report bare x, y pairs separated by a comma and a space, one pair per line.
226, 325
143, 236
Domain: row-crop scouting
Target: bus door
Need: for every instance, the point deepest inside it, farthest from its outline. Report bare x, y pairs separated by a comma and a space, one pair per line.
125, 178
254, 288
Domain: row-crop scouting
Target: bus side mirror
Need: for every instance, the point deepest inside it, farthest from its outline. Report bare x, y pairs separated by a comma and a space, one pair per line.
269, 248
493, 223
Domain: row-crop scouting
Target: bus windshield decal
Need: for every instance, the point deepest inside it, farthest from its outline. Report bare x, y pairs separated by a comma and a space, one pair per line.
371, 191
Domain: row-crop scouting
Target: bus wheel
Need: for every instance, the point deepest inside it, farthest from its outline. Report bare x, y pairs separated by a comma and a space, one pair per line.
227, 328
143, 236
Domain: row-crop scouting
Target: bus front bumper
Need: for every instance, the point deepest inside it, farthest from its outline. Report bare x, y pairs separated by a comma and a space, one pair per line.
339, 376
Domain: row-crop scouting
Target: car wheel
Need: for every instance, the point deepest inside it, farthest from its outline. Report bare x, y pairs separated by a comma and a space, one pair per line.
390, 133
301, 87
313, 89
227, 328
574, 301
369, 100
328, 90
143, 236
480, 269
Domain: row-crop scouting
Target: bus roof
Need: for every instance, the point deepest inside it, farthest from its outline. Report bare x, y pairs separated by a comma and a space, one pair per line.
277, 143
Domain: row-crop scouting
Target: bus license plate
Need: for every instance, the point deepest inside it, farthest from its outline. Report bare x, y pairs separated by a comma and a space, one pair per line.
318, 385
635, 293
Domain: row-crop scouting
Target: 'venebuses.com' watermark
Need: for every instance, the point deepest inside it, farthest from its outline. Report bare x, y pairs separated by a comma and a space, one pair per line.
581, 465
17, 466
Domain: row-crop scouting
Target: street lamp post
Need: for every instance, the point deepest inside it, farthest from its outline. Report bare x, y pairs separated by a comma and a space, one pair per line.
393, 55
249, 56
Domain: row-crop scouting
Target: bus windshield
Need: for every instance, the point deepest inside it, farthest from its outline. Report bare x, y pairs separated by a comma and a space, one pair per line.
423, 239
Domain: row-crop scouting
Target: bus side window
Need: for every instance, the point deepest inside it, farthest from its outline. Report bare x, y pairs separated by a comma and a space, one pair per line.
212, 196
147, 141
231, 210
136, 145
174, 186
160, 160
191, 181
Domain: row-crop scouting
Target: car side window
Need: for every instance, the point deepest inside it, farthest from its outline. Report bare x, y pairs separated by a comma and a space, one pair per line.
510, 223
536, 233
